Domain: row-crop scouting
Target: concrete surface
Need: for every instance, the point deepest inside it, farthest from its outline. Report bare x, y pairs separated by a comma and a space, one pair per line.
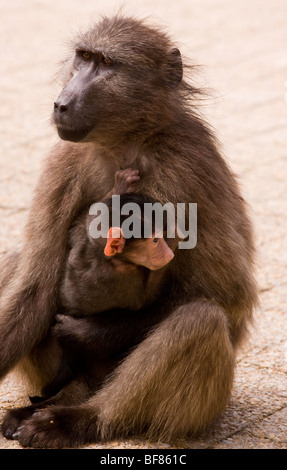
242, 47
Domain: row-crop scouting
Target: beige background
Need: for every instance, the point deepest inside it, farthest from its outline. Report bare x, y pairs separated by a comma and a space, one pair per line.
242, 47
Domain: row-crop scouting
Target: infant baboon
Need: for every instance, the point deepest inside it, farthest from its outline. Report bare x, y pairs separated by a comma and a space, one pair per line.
102, 274
126, 103
115, 271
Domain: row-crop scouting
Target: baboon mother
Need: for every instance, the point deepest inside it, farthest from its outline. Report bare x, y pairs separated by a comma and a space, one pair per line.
126, 103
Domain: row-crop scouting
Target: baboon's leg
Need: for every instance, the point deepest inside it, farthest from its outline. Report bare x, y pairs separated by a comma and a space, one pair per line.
176, 382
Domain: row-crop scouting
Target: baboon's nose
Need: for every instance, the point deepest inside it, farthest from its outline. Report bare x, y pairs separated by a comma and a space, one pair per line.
59, 107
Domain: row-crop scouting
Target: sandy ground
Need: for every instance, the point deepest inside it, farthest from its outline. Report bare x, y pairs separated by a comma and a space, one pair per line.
242, 49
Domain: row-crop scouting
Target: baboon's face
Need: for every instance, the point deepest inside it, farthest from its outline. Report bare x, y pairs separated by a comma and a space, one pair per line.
118, 82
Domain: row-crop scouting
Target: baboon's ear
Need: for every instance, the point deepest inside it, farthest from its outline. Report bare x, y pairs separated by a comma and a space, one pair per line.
175, 70
115, 241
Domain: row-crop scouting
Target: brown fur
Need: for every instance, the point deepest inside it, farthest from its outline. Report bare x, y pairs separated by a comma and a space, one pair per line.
138, 114
93, 283
110, 290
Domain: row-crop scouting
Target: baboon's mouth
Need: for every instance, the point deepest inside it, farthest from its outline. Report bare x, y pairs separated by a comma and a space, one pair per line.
72, 134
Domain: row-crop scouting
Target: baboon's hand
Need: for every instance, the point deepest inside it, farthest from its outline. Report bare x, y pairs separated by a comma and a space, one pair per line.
124, 180
69, 328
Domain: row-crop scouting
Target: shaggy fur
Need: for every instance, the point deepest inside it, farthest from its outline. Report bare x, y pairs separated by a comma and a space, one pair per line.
138, 112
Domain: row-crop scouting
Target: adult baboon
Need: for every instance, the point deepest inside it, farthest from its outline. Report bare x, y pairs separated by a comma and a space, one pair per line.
125, 103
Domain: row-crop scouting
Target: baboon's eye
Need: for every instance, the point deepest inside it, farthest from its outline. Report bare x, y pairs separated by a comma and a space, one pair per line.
86, 55
155, 240
107, 60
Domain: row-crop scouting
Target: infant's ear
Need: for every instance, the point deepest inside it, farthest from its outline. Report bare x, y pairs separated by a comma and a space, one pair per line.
115, 241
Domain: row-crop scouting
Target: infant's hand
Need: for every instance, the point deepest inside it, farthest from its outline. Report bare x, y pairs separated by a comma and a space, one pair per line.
69, 328
124, 180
